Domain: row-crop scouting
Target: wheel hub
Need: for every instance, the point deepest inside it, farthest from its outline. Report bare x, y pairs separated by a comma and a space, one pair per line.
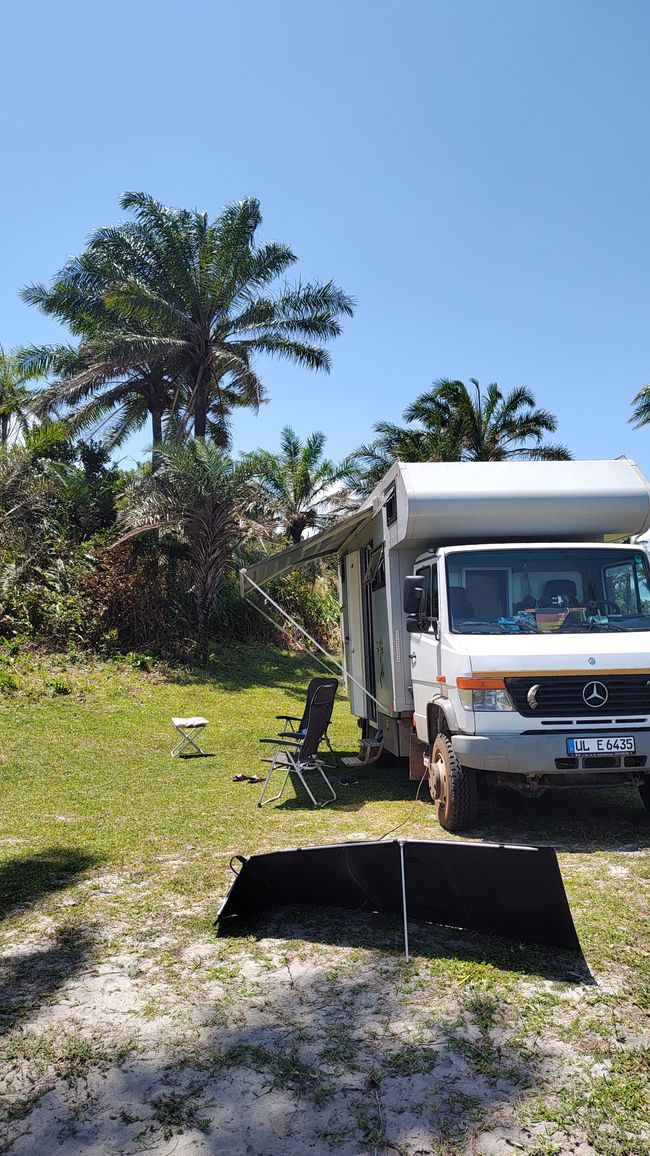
442, 783
438, 781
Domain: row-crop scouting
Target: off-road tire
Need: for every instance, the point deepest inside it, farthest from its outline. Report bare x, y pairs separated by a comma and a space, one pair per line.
644, 791
453, 788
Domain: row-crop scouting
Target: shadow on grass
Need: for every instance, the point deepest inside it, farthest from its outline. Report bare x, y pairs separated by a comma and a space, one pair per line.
572, 821
29, 980
236, 668
315, 1072
384, 933
26, 879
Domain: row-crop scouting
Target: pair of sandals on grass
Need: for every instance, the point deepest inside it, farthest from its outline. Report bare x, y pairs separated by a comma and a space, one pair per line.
247, 779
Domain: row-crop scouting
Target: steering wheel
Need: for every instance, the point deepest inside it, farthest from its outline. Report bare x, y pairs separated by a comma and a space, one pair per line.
602, 606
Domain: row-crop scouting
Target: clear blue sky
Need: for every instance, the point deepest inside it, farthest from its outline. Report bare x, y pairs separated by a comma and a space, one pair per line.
476, 173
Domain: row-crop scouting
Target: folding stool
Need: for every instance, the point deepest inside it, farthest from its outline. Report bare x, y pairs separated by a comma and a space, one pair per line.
184, 726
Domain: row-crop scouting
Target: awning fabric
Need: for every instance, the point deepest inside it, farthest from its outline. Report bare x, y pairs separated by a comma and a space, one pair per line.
327, 542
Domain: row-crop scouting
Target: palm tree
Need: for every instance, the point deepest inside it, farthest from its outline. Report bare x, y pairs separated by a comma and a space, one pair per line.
33, 480
641, 412
459, 424
205, 497
298, 485
172, 310
15, 398
370, 462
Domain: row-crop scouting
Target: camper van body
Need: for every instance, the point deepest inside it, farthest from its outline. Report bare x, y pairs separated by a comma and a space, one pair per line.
529, 650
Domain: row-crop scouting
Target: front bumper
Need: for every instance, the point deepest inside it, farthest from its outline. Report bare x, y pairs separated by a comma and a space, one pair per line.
546, 754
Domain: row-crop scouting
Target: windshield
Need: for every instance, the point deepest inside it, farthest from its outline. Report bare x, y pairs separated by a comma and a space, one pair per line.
546, 591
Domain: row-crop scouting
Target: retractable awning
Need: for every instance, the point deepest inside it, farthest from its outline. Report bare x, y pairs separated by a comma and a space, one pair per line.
328, 541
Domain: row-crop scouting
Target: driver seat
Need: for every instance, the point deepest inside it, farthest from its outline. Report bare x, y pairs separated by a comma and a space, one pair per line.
563, 588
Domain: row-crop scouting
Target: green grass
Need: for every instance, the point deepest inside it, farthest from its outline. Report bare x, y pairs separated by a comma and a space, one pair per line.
115, 857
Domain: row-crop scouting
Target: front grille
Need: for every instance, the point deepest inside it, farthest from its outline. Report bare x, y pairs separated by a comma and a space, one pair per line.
562, 696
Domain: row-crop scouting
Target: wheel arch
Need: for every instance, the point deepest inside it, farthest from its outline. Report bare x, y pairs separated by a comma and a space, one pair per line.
440, 720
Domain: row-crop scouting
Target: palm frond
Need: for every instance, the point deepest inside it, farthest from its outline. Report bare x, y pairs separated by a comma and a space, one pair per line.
641, 413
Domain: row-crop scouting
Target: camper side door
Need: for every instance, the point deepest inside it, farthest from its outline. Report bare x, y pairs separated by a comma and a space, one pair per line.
425, 650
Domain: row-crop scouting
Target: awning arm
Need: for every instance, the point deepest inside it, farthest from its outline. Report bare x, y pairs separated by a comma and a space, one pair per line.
328, 541
246, 578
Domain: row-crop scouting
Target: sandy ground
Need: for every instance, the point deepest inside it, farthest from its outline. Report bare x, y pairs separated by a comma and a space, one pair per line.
268, 1046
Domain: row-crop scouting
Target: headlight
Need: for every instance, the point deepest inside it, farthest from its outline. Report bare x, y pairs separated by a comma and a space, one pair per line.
491, 700
484, 698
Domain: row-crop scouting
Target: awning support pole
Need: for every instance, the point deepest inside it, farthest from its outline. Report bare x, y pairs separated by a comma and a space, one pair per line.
406, 926
285, 614
276, 626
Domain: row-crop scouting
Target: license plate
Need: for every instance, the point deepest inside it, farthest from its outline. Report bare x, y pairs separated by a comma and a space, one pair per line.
601, 746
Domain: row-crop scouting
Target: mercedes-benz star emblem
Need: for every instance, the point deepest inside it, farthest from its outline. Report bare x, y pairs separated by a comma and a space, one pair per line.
595, 694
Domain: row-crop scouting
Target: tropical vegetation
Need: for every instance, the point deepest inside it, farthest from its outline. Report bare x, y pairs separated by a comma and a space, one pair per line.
641, 412
452, 422
14, 398
170, 311
171, 315
300, 488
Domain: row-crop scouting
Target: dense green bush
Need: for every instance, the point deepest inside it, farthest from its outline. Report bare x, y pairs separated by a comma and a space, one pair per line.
311, 601
65, 583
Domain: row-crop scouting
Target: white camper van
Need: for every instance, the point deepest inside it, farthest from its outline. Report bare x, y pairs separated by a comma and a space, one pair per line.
496, 623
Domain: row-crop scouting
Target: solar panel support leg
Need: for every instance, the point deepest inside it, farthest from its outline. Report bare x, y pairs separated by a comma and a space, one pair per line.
406, 926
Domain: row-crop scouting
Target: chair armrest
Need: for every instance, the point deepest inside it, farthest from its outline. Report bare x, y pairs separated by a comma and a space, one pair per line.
283, 741
288, 717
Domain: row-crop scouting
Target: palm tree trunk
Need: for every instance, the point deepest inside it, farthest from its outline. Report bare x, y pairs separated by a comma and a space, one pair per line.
200, 405
4, 429
156, 426
156, 436
296, 527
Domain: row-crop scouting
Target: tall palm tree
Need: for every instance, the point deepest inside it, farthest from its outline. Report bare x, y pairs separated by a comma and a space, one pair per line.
172, 310
15, 398
297, 484
204, 496
456, 423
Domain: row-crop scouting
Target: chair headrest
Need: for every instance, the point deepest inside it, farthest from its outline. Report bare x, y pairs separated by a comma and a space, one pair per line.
562, 587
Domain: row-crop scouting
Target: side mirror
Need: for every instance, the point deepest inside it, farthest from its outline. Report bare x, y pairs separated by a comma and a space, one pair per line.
414, 595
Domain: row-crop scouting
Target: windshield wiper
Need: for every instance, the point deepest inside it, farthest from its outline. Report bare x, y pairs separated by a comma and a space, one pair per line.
587, 627
477, 628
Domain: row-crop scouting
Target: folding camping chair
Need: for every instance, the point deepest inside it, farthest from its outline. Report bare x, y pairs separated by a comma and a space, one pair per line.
187, 727
290, 719
297, 753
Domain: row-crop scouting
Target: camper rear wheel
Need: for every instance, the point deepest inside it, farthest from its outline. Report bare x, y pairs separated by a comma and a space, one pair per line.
453, 787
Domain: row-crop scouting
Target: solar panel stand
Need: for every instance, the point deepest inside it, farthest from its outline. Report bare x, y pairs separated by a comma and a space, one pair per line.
404, 911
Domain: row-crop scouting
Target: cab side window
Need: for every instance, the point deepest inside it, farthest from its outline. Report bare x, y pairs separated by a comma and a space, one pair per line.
425, 574
430, 577
433, 588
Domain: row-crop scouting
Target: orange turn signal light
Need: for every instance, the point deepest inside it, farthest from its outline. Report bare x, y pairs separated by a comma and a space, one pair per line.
481, 684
